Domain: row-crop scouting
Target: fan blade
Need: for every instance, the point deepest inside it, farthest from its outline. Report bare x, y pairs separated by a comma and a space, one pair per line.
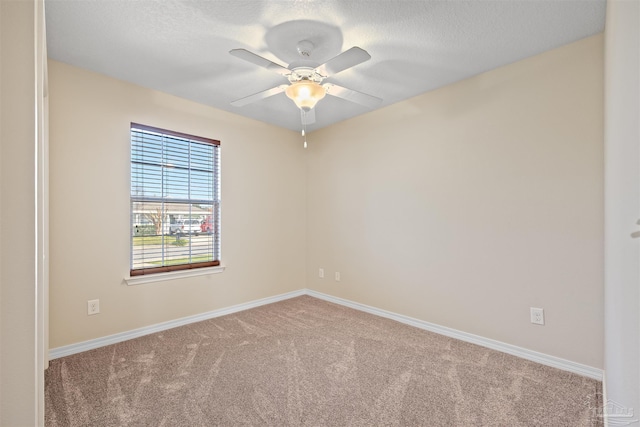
346, 59
308, 117
260, 61
352, 95
258, 96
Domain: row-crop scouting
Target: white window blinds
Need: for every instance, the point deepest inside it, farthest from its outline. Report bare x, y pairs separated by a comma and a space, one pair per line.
175, 201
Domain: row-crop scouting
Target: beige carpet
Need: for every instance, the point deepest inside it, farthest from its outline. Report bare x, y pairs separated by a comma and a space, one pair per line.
307, 362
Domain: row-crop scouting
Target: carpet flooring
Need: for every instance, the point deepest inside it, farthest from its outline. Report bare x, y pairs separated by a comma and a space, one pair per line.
308, 362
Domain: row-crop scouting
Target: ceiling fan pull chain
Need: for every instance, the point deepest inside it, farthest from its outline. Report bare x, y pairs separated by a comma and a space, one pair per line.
304, 126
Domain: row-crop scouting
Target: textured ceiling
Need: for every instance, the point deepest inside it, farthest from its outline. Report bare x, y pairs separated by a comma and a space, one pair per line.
181, 46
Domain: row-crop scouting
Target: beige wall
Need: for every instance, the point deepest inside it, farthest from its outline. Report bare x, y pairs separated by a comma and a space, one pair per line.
263, 208
467, 205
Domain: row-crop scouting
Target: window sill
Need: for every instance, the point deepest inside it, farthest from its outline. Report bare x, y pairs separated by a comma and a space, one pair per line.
180, 274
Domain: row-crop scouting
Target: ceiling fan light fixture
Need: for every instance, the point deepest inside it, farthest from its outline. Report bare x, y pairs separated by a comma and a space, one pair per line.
305, 94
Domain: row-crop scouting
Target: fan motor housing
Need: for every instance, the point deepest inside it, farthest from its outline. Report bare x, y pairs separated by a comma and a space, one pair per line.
305, 73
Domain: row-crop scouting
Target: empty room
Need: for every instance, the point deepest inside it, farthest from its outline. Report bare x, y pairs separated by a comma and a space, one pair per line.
411, 213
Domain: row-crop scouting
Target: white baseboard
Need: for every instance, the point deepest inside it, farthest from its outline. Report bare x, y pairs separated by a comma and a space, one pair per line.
545, 359
534, 356
68, 350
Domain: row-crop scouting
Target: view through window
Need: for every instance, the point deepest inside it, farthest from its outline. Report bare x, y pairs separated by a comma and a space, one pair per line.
175, 201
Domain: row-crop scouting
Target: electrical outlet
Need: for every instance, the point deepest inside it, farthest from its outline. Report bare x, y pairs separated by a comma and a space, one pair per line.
93, 307
337, 276
321, 273
537, 316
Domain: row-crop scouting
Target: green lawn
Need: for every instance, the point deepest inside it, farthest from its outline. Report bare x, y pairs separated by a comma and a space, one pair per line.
199, 258
154, 240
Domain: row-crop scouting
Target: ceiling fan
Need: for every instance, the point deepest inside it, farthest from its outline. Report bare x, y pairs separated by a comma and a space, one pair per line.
305, 86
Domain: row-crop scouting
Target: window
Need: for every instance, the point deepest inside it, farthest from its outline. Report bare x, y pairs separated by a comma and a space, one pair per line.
175, 201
